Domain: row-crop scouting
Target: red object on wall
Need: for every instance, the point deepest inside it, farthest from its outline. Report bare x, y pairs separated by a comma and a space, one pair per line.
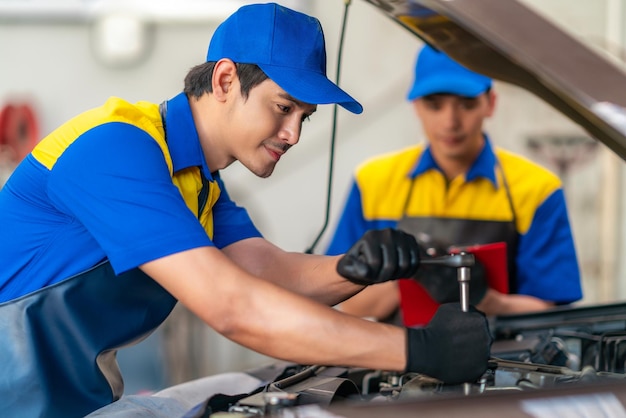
19, 131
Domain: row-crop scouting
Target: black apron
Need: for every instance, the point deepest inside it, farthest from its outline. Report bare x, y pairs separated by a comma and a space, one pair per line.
445, 233
59, 344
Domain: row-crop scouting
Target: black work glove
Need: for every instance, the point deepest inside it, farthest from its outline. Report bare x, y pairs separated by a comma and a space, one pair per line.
454, 347
380, 256
442, 283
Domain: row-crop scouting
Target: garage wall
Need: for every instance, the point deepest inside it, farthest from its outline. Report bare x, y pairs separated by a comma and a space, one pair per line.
50, 63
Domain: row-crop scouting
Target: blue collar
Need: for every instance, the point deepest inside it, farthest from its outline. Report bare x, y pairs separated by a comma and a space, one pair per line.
484, 166
182, 137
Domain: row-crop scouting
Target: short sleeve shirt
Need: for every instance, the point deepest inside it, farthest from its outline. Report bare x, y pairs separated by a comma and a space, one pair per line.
112, 184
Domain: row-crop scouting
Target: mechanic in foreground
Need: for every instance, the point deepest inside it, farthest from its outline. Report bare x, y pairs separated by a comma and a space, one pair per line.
459, 190
121, 212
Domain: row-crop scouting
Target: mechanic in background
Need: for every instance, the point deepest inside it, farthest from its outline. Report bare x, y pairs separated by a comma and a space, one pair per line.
458, 190
121, 212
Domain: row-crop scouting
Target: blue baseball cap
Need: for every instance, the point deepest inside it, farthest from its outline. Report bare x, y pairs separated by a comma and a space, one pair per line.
436, 73
287, 45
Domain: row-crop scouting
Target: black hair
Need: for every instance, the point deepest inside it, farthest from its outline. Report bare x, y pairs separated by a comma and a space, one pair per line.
198, 79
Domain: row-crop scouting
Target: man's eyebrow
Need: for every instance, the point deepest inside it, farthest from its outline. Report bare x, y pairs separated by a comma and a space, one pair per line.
289, 97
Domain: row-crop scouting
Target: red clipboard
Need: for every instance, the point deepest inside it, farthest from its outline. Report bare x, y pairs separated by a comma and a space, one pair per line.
418, 307
494, 258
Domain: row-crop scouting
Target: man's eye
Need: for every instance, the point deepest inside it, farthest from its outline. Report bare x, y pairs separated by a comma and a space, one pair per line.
469, 104
284, 109
432, 105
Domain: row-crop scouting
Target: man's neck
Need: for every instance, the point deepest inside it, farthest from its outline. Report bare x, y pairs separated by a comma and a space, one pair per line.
452, 168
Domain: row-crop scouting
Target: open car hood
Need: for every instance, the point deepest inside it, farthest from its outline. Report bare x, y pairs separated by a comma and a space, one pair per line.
493, 37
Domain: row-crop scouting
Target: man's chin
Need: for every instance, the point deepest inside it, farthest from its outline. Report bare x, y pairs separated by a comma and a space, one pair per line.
262, 172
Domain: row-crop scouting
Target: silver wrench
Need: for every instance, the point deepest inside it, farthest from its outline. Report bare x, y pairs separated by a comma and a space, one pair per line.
462, 262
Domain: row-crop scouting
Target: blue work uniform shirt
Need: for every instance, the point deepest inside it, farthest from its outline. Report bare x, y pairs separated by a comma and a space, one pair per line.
545, 259
109, 184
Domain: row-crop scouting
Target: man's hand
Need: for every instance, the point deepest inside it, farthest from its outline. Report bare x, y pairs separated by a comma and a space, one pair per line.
454, 347
380, 256
442, 283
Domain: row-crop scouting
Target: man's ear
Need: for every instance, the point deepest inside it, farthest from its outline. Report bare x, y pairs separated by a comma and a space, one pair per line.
491, 96
224, 78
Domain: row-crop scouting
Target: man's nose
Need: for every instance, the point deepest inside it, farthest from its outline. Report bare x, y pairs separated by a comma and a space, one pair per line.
290, 131
451, 115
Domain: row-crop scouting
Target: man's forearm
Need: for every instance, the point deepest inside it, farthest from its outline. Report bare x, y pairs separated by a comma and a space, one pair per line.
311, 275
316, 276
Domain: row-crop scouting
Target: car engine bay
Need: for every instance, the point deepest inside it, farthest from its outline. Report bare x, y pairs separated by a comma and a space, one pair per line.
562, 347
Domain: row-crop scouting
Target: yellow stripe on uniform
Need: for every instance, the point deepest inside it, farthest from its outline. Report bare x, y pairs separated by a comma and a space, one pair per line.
385, 185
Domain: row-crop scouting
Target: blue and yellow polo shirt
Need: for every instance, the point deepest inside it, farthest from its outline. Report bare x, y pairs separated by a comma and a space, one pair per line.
546, 262
110, 184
